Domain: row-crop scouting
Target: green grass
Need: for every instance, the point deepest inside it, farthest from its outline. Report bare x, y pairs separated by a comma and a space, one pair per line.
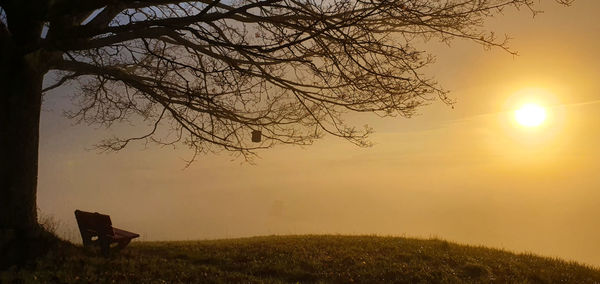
276, 259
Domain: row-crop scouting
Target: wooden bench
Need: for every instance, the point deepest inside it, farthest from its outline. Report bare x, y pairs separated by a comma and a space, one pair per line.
96, 228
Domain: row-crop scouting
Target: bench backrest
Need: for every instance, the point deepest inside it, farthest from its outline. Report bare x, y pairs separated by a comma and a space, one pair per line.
97, 222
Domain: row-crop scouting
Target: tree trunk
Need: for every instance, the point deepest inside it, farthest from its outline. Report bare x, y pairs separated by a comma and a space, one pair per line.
20, 104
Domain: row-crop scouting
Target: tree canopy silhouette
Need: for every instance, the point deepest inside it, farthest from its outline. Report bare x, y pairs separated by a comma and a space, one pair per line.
211, 72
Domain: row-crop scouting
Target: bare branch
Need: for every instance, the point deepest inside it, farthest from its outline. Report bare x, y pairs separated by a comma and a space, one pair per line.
210, 72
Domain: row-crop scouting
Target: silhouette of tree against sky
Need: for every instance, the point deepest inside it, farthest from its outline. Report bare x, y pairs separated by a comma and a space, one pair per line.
208, 73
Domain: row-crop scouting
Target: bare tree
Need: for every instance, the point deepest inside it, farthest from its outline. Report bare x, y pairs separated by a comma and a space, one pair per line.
209, 73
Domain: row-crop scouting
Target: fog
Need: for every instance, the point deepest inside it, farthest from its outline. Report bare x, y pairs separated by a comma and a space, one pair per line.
467, 174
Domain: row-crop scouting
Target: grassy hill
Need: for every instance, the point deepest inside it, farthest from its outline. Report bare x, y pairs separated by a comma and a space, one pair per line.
276, 259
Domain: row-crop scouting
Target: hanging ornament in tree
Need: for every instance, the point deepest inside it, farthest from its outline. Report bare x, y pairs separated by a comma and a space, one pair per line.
256, 136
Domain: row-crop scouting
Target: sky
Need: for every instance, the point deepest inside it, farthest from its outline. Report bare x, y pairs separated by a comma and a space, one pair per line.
469, 174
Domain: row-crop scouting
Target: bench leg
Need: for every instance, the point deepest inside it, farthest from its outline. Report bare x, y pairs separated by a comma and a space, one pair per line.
87, 240
105, 247
123, 243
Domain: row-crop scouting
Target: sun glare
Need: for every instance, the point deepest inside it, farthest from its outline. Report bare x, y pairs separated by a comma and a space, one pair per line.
530, 115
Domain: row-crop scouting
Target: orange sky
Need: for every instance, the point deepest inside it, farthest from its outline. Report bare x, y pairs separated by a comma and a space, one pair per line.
468, 175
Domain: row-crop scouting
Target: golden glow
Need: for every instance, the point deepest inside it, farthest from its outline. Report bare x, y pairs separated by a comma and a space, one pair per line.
530, 115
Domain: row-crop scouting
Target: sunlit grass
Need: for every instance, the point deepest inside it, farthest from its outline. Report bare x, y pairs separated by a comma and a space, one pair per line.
303, 259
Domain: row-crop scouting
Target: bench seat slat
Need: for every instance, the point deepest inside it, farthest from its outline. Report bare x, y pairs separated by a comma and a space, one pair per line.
124, 234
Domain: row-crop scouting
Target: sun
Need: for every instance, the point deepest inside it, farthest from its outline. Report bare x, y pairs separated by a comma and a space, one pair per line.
530, 115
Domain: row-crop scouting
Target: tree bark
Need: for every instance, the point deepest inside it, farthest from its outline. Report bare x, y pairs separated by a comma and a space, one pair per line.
20, 104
